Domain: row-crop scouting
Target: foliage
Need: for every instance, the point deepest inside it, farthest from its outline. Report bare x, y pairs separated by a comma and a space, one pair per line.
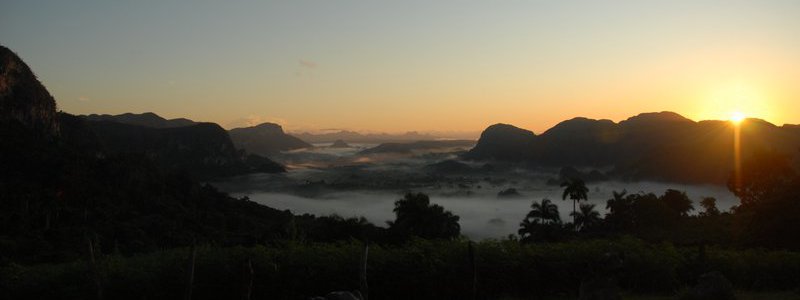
417, 269
576, 189
415, 216
542, 224
770, 202
586, 218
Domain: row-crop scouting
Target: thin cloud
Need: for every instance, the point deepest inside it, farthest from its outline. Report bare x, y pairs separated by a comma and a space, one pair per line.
307, 64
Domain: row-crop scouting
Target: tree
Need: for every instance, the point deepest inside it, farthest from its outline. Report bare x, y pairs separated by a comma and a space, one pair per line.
415, 216
709, 205
586, 218
767, 187
678, 202
542, 223
576, 190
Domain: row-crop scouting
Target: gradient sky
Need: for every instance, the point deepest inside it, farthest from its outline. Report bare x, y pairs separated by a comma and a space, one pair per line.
412, 65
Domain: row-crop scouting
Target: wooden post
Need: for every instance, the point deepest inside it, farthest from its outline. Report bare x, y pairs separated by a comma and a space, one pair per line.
248, 279
190, 279
474, 268
363, 287
94, 270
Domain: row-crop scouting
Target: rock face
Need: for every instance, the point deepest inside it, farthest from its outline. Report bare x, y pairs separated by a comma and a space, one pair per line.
265, 139
660, 146
23, 98
147, 119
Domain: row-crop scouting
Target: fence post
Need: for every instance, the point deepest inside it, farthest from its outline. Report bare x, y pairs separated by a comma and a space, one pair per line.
363, 287
190, 279
94, 270
248, 279
474, 268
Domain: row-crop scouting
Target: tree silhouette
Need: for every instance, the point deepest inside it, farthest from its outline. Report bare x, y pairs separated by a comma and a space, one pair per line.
678, 202
415, 216
709, 205
576, 190
586, 218
541, 223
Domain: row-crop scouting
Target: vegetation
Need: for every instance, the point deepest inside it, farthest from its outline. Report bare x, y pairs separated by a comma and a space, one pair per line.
576, 190
417, 217
291, 270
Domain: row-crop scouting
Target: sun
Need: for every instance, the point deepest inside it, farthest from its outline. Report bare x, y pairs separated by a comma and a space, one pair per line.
737, 117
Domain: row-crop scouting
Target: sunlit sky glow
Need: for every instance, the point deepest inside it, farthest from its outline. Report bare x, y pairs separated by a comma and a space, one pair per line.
413, 65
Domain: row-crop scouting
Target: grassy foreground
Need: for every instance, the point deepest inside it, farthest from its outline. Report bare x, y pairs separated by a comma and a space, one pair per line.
420, 268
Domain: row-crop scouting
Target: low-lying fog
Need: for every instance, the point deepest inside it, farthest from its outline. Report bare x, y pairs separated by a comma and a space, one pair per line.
324, 181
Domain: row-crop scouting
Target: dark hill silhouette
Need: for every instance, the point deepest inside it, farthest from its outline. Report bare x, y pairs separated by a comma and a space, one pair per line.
203, 149
503, 142
449, 166
265, 139
407, 148
113, 185
355, 137
652, 146
147, 119
339, 144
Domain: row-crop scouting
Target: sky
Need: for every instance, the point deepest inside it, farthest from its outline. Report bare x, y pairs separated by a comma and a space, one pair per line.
396, 66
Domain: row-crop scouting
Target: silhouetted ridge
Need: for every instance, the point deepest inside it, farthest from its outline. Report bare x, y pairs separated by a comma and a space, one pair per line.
147, 119
503, 142
265, 139
23, 98
203, 149
407, 148
664, 116
650, 146
339, 144
125, 188
355, 137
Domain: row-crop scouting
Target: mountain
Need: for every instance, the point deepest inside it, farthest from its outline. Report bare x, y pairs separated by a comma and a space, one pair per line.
503, 142
407, 148
355, 137
661, 146
202, 149
23, 98
147, 119
68, 184
339, 144
265, 139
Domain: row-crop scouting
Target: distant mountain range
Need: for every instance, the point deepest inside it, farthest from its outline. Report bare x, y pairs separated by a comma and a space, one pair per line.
147, 119
265, 139
355, 137
67, 183
410, 147
204, 149
662, 146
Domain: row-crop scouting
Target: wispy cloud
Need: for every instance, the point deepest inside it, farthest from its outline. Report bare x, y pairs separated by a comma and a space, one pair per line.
84, 99
307, 64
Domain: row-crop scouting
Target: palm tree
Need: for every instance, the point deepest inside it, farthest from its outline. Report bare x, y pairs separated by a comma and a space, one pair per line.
576, 190
542, 221
587, 217
544, 212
